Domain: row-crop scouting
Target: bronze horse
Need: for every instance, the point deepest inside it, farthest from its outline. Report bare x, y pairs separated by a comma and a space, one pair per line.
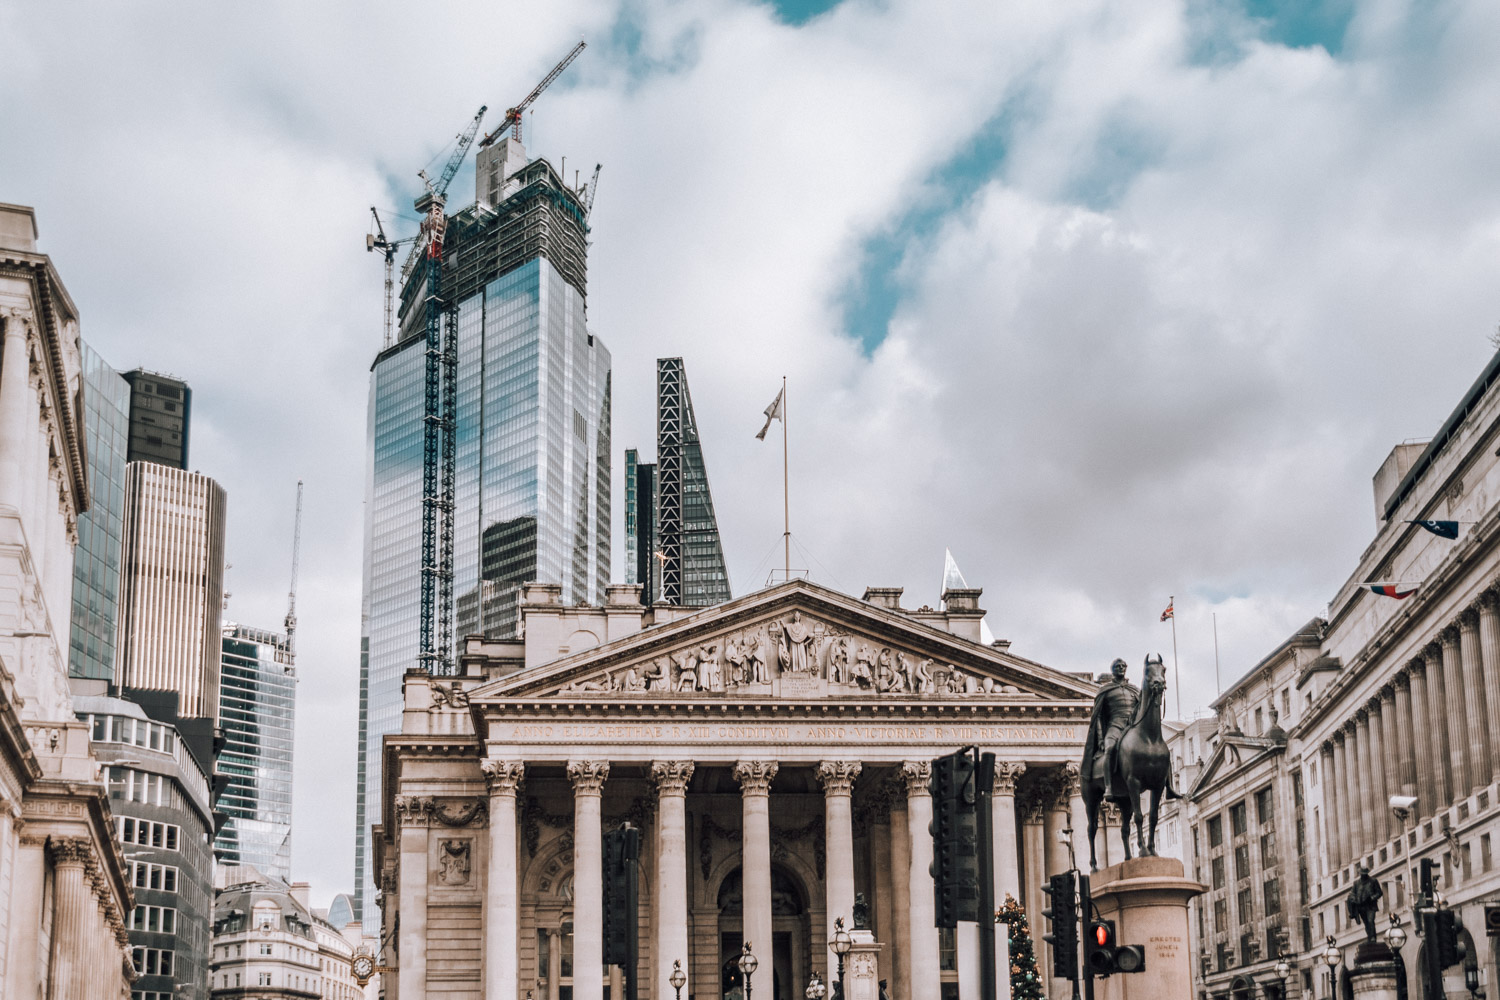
1145, 766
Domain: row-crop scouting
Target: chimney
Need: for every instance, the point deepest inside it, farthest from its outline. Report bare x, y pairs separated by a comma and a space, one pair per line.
300, 891
885, 597
18, 227
1395, 467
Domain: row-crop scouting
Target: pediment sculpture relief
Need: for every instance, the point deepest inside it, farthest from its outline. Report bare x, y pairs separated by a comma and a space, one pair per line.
796, 653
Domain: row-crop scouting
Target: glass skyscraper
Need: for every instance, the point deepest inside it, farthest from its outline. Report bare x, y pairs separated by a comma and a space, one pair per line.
257, 712
532, 455
96, 561
672, 543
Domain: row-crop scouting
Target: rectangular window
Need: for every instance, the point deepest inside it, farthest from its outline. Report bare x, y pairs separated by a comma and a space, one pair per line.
1247, 906
1297, 789
1241, 862
1484, 852
1268, 850
265, 949
1219, 872
1215, 832
265, 979
1238, 821
1247, 949
1272, 896
1264, 806
947, 949
1221, 916
1225, 957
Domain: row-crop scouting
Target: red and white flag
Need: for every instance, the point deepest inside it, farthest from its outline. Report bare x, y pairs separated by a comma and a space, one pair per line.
1168, 613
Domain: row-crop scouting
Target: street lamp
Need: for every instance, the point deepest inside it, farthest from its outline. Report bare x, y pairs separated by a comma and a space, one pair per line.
1395, 935
840, 946
677, 978
1332, 956
748, 964
815, 988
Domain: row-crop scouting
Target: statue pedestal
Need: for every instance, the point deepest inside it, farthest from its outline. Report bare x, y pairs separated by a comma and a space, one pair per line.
862, 967
1373, 974
1147, 898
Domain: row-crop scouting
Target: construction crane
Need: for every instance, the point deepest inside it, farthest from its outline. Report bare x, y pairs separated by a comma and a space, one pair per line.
387, 247
512, 119
291, 594
441, 391
588, 192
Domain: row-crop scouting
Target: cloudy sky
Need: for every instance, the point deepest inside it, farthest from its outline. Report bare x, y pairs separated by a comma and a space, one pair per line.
1117, 301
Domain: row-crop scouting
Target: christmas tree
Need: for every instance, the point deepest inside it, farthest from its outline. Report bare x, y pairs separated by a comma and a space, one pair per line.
1025, 983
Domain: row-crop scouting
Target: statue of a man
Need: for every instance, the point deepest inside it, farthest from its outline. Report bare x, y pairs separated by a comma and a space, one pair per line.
1114, 707
1364, 900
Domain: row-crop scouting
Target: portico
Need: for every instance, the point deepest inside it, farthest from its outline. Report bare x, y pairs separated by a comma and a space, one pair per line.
765, 806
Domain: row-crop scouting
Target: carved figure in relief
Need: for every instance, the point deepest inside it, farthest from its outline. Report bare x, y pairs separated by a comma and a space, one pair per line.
592, 684
796, 645
883, 670
630, 680
757, 659
710, 676
838, 661
659, 677
904, 673
922, 677
453, 862
864, 674
734, 660
687, 670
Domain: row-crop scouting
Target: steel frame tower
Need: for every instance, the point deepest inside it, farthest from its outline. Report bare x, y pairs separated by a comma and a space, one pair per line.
669, 432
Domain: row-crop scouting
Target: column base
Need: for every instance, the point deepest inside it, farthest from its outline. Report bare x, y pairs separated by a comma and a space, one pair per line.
862, 967
1373, 974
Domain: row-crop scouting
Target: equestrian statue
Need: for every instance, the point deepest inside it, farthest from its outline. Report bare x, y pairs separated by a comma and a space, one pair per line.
1125, 755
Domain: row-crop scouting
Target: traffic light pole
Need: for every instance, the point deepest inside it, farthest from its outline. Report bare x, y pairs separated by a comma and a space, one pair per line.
1086, 912
632, 909
984, 776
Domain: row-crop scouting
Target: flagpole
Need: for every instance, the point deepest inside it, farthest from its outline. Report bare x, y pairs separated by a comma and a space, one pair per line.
786, 503
1176, 673
1218, 687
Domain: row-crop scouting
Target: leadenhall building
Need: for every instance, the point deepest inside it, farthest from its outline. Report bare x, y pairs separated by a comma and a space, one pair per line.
773, 750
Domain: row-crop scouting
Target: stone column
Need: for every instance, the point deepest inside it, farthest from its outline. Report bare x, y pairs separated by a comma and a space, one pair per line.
882, 878
1341, 840
554, 965
1003, 820
502, 973
1362, 771
1330, 807
1424, 750
900, 891
588, 778
1375, 775
755, 777
837, 778
1389, 761
15, 393
1476, 698
1406, 752
1357, 787
71, 856
922, 902
1489, 658
1438, 723
1461, 777
1034, 849
671, 920
413, 815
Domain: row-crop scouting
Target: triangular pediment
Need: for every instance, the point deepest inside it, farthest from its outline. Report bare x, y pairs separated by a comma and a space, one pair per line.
796, 641
1231, 754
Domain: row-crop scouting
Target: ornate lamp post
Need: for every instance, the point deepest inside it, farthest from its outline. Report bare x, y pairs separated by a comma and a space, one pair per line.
678, 979
748, 964
840, 946
1283, 969
1332, 956
815, 988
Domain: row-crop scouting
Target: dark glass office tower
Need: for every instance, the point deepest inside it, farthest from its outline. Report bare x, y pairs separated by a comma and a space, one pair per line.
257, 711
96, 561
672, 541
532, 455
159, 409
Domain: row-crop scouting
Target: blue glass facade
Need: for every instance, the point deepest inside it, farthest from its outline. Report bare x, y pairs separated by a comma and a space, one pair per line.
257, 711
531, 491
96, 561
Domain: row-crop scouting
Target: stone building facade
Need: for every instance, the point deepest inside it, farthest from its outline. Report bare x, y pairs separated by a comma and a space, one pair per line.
63, 895
269, 944
775, 752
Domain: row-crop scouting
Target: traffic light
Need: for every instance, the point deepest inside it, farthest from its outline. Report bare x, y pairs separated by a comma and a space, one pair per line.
1449, 937
622, 849
1104, 957
1062, 910
955, 840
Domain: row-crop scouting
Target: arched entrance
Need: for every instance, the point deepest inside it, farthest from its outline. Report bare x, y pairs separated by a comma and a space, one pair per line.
789, 960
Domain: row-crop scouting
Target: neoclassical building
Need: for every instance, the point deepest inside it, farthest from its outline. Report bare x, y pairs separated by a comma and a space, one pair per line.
773, 750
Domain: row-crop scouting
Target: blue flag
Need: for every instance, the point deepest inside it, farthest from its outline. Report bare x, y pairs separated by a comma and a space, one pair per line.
1443, 529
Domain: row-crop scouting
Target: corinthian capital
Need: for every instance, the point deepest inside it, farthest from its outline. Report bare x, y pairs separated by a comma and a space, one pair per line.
503, 777
755, 776
414, 810
1068, 782
1006, 773
837, 776
671, 776
588, 776
918, 777
72, 851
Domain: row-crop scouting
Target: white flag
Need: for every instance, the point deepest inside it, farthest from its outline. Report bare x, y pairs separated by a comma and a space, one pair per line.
773, 412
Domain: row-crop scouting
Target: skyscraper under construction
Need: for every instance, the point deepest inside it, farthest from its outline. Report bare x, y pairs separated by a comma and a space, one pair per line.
672, 541
532, 432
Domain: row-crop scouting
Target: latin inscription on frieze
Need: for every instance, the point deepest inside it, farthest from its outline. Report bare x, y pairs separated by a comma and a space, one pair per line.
783, 733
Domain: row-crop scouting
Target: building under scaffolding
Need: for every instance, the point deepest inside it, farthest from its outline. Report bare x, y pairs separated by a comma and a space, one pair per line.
532, 430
